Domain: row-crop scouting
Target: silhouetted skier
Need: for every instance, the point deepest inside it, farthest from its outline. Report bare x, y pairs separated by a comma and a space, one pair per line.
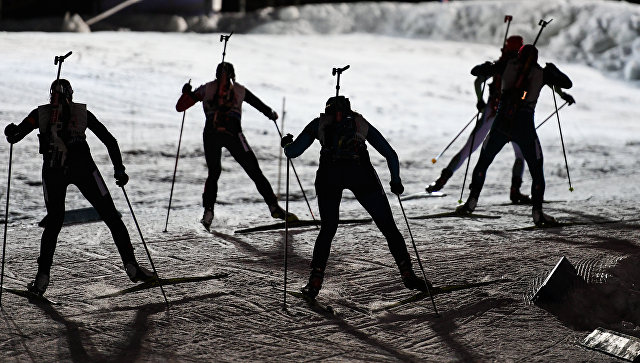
488, 110
67, 160
222, 103
522, 80
345, 164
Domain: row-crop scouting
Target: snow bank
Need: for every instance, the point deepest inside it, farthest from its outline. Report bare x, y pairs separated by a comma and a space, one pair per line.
602, 34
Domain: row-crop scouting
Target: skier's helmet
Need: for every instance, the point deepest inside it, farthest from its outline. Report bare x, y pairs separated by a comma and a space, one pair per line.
512, 45
337, 105
63, 87
225, 69
528, 53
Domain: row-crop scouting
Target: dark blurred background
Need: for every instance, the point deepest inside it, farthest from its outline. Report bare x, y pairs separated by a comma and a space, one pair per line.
22, 9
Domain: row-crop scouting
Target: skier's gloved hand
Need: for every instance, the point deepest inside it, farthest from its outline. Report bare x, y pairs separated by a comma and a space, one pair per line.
569, 98
396, 187
273, 116
481, 105
186, 88
11, 132
286, 140
121, 177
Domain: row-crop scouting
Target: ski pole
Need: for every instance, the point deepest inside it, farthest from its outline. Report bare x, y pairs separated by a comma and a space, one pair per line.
473, 140
424, 276
145, 245
286, 239
280, 149
6, 222
553, 113
562, 139
175, 168
542, 24
507, 19
225, 38
299, 183
455, 138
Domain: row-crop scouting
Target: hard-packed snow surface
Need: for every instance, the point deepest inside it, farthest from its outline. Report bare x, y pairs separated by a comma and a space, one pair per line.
419, 94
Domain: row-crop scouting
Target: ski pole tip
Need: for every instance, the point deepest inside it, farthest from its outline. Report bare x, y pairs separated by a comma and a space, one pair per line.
459, 201
433, 161
571, 189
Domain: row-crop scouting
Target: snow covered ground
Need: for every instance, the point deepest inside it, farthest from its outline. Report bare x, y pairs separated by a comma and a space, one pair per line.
419, 94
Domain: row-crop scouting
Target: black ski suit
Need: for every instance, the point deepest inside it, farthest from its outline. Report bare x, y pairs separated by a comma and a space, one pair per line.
345, 164
514, 123
77, 168
223, 129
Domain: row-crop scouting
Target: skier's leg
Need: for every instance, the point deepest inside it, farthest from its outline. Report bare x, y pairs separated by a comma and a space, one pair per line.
54, 187
516, 177
213, 156
241, 151
492, 146
481, 130
329, 204
92, 186
370, 194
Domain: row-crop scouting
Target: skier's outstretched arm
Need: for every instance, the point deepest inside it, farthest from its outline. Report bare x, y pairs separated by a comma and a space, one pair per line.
254, 101
189, 97
107, 139
558, 80
15, 133
293, 149
375, 138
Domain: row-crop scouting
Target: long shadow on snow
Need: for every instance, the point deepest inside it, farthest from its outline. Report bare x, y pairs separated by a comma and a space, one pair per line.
21, 334
445, 325
364, 337
129, 350
273, 255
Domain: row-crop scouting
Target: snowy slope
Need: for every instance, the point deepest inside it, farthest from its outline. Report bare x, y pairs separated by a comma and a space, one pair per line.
418, 93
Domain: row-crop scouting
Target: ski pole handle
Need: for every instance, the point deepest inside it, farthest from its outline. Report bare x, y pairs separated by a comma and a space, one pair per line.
340, 70
542, 24
61, 58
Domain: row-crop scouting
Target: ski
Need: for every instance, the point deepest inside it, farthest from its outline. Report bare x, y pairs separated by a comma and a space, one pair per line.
34, 298
436, 290
298, 224
170, 281
529, 203
421, 195
454, 214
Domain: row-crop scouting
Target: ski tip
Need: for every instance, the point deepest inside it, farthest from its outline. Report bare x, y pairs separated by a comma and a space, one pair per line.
433, 161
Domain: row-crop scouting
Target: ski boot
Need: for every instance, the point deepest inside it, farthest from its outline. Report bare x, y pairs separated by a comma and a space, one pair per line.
410, 280
207, 218
468, 207
279, 213
138, 273
515, 195
312, 288
39, 285
440, 182
519, 198
542, 219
